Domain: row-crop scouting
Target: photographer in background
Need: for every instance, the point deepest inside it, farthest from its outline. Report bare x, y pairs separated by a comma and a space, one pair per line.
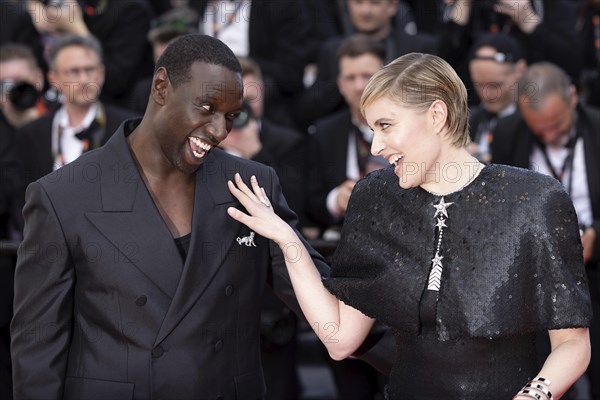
21, 81
21, 102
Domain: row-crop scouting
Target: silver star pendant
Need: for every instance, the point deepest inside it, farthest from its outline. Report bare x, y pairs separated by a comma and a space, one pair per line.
440, 208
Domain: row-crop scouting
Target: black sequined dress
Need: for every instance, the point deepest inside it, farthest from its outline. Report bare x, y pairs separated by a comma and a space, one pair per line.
512, 266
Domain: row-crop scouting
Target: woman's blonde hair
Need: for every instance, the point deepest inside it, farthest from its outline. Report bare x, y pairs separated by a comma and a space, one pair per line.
417, 80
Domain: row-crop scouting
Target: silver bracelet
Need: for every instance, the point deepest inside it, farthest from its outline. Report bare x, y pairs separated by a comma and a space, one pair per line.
541, 388
545, 381
530, 393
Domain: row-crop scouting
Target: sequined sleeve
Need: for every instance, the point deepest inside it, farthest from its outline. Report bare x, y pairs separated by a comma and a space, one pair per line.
368, 266
559, 280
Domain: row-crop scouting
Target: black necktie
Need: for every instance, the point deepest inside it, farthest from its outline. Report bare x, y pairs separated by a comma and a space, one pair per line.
89, 136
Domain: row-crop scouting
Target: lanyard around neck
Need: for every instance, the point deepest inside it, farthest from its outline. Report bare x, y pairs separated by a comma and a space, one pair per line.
567, 163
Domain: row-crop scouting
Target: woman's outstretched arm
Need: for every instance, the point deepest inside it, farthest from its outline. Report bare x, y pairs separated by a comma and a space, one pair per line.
341, 328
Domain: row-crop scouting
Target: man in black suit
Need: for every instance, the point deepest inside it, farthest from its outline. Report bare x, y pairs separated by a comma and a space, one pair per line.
556, 135
340, 143
82, 122
150, 289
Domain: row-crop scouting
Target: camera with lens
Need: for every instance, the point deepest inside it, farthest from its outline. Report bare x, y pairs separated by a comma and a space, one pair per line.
22, 95
244, 117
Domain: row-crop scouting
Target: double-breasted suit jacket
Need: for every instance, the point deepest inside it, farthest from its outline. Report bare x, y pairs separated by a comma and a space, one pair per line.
106, 308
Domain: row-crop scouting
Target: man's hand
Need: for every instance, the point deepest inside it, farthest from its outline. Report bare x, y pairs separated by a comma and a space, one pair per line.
343, 197
461, 11
521, 12
51, 19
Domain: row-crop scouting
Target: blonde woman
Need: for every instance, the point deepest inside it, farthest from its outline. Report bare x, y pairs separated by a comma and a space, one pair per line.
466, 263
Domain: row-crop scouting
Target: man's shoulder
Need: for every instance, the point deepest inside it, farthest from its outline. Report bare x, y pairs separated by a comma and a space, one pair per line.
510, 126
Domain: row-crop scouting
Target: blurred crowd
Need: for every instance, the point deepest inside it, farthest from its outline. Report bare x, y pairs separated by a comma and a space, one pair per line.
71, 71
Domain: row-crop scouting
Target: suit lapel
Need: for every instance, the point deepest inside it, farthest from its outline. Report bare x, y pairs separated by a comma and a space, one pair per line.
213, 234
131, 221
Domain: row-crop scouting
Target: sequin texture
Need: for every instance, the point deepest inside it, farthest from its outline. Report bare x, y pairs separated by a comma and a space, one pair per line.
512, 267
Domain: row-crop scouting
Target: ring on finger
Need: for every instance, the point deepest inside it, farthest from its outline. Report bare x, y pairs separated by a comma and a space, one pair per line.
265, 201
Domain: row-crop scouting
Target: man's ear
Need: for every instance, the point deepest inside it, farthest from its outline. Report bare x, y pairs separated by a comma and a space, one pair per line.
573, 95
160, 84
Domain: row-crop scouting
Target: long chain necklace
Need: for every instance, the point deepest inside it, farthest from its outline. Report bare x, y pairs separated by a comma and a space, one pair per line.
441, 214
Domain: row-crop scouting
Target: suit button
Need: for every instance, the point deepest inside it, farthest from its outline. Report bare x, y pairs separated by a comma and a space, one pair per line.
218, 345
141, 301
157, 352
229, 290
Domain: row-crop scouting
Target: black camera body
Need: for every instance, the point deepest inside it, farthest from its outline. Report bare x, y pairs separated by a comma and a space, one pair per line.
22, 95
244, 118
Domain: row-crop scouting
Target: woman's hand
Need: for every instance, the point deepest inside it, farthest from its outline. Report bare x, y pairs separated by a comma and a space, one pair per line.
261, 218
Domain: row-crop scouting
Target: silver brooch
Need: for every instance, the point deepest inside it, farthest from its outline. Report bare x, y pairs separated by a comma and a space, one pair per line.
246, 240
